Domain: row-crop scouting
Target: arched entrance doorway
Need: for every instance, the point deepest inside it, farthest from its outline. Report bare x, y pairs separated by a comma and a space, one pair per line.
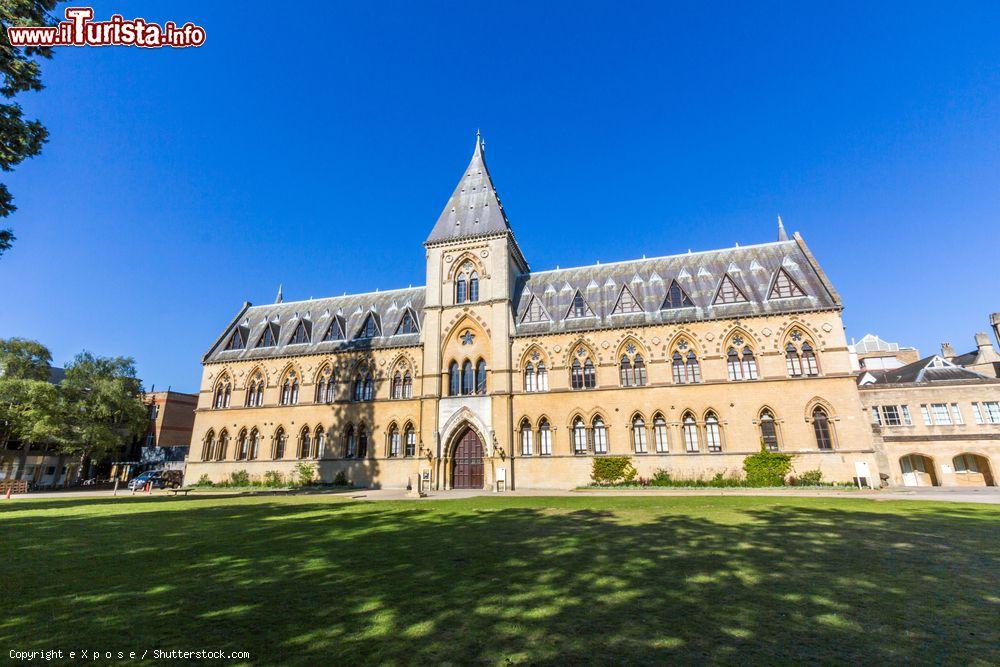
467, 466
918, 470
972, 470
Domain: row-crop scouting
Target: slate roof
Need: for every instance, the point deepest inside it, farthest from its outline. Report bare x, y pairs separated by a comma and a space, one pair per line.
474, 209
387, 307
751, 268
934, 368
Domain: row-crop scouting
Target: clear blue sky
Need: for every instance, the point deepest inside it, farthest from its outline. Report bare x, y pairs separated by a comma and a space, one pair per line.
178, 183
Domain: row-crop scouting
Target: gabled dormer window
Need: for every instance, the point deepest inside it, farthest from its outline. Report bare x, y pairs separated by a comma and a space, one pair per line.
676, 298
270, 336
784, 287
729, 292
535, 312
237, 340
370, 328
407, 325
301, 334
627, 303
335, 331
579, 307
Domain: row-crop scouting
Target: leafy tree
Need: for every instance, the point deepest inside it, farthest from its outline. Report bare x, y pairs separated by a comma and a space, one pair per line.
24, 359
19, 72
102, 404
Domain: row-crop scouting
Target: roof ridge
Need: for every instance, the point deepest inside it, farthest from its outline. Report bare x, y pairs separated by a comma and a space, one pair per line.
342, 296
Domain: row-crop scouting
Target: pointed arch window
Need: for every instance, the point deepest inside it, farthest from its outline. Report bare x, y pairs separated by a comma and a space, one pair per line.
749, 364
600, 435
237, 341
784, 287
809, 360
362, 442
370, 328
821, 428
728, 292
468, 380
223, 393
407, 325
713, 434
269, 337
335, 331
242, 445
208, 450
733, 365
768, 431
529, 377
640, 371
544, 438
542, 378
627, 376
254, 452
290, 390
396, 386
481, 377
407, 385
350, 442
579, 436
627, 303
364, 386
320, 442
461, 289
300, 335
454, 380
576, 374
279, 444
689, 428
676, 298
305, 443
222, 448
639, 435
411, 441
324, 387
527, 443
660, 434
535, 312
792, 361
579, 308
474, 287
393, 441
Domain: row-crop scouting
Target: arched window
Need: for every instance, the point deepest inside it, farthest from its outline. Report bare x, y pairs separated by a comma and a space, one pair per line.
809, 360
640, 371
544, 438
639, 435
364, 386
821, 427
369, 387
677, 367
589, 375
749, 364
692, 367
690, 430
255, 391
733, 365
362, 443
222, 393
579, 436
350, 443
242, 445
481, 377
467, 284
254, 450
768, 431
411, 441
454, 380
474, 287
290, 390
208, 450
529, 377
713, 436
600, 435
321, 390
576, 375
527, 440
286, 392
660, 434
393, 441
279, 444
467, 378
320, 442
627, 376
461, 290
792, 361
542, 378
407, 385
305, 443
965, 463
396, 386
221, 449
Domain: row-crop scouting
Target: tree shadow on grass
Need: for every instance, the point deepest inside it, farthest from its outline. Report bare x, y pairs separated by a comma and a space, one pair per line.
521, 580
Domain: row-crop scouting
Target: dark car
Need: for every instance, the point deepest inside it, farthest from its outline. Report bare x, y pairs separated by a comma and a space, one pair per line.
160, 479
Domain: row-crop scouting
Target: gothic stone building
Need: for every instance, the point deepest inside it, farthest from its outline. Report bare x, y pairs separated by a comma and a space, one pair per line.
493, 376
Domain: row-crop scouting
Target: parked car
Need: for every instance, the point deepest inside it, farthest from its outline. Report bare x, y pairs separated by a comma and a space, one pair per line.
160, 479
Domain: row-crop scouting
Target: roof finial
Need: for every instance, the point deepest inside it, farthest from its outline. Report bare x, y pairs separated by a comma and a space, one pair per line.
782, 235
278, 298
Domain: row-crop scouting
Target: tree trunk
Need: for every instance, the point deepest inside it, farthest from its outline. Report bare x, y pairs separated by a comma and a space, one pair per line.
60, 462
84, 465
22, 461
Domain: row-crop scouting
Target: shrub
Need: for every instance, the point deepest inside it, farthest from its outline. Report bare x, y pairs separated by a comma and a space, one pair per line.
341, 479
613, 470
203, 481
273, 479
305, 473
767, 468
239, 478
807, 478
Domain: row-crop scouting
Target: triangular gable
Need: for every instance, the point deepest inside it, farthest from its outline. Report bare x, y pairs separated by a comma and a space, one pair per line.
335, 331
676, 297
237, 341
370, 328
729, 292
407, 324
535, 311
784, 286
627, 303
302, 333
269, 337
579, 307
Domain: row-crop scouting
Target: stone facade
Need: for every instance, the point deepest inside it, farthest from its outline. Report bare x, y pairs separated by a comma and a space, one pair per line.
466, 351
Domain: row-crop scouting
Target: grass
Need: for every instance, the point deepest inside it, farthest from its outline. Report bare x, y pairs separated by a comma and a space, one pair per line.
327, 580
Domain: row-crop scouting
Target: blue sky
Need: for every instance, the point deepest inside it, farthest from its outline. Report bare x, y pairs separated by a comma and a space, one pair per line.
179, 183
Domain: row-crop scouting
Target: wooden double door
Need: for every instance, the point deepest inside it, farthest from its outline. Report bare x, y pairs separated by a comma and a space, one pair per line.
467, 472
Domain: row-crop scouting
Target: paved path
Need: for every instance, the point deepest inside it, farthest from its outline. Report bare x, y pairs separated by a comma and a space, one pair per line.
990, 495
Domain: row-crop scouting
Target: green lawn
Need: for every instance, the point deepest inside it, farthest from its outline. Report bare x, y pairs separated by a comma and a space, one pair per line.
326, 580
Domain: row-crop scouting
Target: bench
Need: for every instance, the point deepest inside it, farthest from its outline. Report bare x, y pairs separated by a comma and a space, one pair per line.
185, 490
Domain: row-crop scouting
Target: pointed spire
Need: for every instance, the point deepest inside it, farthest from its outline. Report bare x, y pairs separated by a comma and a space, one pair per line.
782, 235
278, 299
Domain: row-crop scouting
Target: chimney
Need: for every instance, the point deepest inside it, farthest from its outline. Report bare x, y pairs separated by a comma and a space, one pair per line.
947, 351
995, 321
983, 342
